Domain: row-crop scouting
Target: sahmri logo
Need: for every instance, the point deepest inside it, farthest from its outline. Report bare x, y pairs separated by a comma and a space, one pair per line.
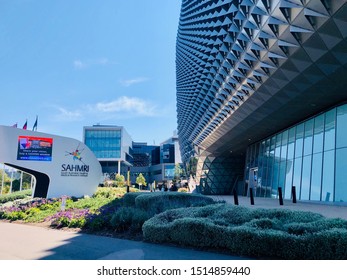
75, 169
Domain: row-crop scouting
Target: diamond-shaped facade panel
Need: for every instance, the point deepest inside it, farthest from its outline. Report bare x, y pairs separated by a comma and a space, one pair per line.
248, 69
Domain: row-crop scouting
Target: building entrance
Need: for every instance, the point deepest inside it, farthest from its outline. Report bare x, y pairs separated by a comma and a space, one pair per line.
253, 179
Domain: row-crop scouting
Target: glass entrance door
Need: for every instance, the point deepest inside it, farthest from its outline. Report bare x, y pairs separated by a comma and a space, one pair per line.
253, 179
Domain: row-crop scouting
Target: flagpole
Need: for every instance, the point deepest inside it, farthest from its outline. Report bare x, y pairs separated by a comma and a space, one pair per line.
35, 124
25, 126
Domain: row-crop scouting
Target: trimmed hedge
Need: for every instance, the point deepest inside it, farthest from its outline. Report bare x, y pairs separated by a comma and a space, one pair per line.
139, 207
158, 202
14, 196
128, 200
260, 233
128, 218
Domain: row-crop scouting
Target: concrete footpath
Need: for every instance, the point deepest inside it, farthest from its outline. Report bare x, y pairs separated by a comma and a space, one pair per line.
27, 242
335, 210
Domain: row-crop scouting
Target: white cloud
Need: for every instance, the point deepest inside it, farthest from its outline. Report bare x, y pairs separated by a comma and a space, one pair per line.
79, 64
130, 82
121, 108
131, 105
102, 61
66, 115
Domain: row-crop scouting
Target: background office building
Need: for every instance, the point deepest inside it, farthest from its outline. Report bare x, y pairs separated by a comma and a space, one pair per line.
261, 96
156, 162
112, 146
169, 156
144, 156
116, 152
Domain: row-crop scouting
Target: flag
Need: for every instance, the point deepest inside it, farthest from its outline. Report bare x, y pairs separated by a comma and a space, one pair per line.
25, 125
35, 124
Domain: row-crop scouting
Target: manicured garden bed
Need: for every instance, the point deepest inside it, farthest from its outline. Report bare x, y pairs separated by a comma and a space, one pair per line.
259, 233
191, 220
86, 213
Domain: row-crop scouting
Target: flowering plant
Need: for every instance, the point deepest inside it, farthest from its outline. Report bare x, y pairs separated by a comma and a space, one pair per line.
75, 218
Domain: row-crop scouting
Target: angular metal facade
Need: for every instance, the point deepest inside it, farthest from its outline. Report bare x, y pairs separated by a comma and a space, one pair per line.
247, 69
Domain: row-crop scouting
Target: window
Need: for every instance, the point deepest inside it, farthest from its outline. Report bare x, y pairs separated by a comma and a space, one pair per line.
308, 137
299, 140
328, 176
289, 179
104, 143
306, 178
340, 177
341, 127
318, 134
316, 179
312, 156
297, 174
329, 130
291, 143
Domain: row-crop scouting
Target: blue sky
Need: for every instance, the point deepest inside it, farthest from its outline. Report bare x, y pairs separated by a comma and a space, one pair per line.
83, 62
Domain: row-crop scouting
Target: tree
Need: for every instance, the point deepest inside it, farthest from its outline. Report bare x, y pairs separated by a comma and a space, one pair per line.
191, 166
15, 185
6, 177
178, 172
7, 182
26, 181
141, 180
119, 180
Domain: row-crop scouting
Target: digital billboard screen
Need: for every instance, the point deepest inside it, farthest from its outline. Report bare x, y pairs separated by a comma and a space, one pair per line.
34, 148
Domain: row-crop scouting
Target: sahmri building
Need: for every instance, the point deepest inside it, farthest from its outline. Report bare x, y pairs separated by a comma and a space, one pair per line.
262, 96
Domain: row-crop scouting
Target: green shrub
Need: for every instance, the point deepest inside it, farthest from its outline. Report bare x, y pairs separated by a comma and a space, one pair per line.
264, 223
14, 196
197, 232
159, 202
92, 204
287, 216
121, 220
234, 215
97, 222
138, 219
312, 227
260, 233
32, 212
13, 215
327, 244
128, 218
30, 209
128, 199
77, 223
73, 218
109, 192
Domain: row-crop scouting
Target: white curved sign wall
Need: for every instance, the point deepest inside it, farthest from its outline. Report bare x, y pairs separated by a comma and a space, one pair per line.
61, 165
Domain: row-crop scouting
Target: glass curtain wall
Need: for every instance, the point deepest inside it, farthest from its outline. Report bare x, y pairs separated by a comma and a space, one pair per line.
312, 156
104, 143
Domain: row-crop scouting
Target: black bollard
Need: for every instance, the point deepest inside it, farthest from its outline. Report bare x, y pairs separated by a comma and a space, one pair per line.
251, 195
327, 197
236, 199
294, 194
280, 196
